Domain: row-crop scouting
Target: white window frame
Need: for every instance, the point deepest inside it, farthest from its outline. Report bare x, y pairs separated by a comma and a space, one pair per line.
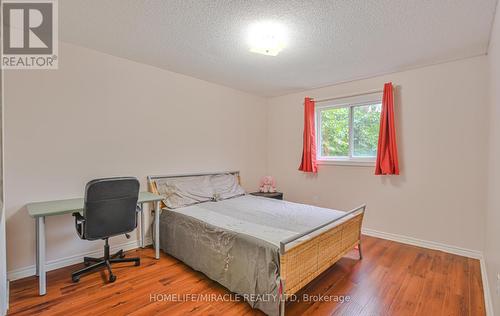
345, 103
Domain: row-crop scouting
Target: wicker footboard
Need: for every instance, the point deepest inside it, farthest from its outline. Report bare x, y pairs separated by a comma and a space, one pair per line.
302, 263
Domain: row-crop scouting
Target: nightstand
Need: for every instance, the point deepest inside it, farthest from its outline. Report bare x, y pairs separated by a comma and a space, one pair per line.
273, 195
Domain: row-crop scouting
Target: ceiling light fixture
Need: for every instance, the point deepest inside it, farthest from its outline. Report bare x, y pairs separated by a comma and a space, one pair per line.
267, 38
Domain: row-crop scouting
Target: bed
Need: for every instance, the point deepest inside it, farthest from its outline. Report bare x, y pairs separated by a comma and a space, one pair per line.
263, 249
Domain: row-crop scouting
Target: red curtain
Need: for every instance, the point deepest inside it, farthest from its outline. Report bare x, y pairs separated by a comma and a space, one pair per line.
308, 163
387, 153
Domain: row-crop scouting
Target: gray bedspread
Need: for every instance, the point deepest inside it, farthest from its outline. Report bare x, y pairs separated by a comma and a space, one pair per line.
236, 241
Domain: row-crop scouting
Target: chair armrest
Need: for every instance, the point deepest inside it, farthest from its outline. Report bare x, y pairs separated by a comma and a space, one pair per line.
79, 224
78, 217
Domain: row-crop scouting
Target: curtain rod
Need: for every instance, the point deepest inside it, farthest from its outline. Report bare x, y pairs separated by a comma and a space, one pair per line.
350, 95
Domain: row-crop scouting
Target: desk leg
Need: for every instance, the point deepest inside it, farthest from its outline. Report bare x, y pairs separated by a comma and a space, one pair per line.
41, 256
141, 228
37, 264
157, 229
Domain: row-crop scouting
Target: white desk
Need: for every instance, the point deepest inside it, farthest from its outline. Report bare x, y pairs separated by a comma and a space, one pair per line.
40, 210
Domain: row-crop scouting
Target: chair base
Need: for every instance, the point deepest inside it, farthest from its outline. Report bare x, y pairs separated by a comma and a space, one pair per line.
96, 263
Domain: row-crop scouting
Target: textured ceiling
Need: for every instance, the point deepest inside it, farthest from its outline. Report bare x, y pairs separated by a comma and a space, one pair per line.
329, 41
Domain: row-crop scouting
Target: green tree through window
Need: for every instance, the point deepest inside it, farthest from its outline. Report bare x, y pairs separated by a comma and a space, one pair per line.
349, 131
335, 132
366, 124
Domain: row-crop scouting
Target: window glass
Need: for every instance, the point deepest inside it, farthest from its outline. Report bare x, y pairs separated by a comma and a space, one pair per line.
335, 132
365, 125
347, 131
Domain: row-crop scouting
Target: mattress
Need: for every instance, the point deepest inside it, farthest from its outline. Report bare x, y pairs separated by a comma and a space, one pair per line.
236, 241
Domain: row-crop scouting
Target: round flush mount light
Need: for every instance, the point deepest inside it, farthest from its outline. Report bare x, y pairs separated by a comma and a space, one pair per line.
267, 38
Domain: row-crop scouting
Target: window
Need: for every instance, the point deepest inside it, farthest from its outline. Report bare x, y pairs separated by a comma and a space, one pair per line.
347, 130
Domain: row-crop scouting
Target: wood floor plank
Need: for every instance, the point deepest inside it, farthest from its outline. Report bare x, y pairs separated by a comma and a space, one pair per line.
476, 306
432, 299
392, 279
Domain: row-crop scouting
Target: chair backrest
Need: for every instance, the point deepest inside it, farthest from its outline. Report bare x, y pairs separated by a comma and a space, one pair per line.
110, 207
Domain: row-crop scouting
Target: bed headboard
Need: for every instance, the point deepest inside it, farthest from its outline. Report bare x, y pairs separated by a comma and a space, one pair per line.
152, 184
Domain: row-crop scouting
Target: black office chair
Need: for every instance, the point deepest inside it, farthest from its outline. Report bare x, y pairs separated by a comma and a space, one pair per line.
110, 209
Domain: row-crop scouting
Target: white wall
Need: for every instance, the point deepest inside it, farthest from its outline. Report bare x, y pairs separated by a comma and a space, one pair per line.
4, 295
492, 238
441, 116
100, 116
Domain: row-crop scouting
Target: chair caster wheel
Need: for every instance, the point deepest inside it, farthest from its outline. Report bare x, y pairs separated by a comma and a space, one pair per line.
75, 279
112, 278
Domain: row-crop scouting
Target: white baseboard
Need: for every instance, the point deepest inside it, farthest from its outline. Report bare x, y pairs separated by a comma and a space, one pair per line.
6, 307
4, 301
64, 262
486, 289
475, 254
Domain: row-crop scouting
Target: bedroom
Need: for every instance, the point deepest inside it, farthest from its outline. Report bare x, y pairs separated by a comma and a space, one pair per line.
143, 88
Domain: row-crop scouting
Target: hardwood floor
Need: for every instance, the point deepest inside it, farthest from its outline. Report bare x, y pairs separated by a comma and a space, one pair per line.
392, 279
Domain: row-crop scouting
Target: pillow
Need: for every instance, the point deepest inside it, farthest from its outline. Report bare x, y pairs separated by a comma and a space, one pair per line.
184, 191
225, 186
